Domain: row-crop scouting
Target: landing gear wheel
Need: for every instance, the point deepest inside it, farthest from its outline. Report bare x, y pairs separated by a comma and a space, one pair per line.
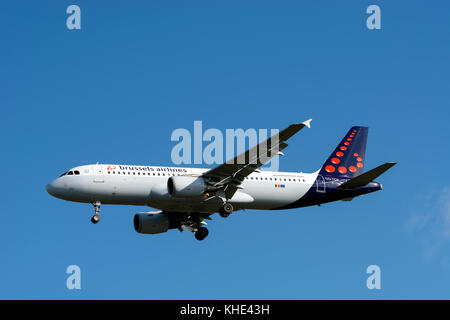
95, 219
201, 233
226, 210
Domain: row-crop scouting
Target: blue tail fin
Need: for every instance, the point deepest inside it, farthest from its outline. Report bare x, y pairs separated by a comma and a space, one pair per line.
347, 160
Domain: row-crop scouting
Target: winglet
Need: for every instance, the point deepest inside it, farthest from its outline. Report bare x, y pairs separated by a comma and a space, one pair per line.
307, 123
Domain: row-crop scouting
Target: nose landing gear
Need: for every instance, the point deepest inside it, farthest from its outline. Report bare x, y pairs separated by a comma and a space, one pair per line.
96, 218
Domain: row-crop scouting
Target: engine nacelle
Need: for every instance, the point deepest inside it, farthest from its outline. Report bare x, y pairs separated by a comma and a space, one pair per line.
151, 223
186, 187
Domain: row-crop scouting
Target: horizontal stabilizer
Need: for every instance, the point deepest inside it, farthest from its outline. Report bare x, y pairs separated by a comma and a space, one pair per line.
367, 177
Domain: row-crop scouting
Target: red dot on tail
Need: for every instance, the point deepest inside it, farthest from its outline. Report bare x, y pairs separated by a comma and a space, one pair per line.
352, 168
335, 160
342, 169
339, 154
349, 139
346, 143
355, 154
359, 165
329, 168
343, 148
359, 159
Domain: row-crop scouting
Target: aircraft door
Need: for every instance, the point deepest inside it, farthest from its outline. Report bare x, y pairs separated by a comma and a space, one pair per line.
320, 184
98, 173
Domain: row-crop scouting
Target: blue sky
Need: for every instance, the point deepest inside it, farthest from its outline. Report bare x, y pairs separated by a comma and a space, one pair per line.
114, 91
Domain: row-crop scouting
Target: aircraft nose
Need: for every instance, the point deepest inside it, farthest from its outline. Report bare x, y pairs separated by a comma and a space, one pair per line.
53, 188
50, 188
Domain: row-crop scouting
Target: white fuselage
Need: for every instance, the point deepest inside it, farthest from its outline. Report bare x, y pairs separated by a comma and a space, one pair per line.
147, 185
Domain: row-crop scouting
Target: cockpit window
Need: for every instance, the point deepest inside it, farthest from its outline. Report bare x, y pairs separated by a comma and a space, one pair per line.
70, 173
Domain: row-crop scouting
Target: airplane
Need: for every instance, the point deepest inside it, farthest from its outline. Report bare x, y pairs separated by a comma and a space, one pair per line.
186, 197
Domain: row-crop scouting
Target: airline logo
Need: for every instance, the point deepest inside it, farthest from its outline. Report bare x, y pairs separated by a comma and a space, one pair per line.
279, 186
146, 168
347, 159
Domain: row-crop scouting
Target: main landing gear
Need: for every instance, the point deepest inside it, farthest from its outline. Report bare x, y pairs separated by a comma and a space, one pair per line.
226, 210
96, 218
201, 233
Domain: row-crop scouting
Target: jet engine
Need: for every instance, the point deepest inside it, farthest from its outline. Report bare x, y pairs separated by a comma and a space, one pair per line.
186, 187
151, 223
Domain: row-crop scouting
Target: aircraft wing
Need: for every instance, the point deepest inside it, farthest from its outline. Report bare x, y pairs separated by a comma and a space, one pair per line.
229, 176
